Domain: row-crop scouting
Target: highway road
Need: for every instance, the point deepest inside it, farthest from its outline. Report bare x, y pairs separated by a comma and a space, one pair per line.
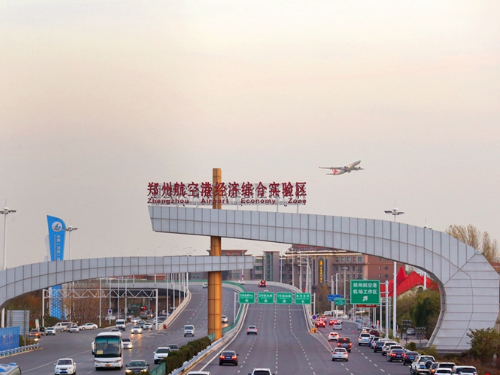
283, 343
78, 345
285, 346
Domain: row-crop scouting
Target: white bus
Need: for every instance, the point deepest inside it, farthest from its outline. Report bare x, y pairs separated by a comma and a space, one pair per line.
107, 350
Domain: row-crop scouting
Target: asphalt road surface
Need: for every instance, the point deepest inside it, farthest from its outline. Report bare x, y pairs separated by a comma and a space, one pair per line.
285, 346
78, 345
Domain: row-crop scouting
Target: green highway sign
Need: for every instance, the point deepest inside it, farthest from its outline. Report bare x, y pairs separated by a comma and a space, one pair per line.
365, 292
246, 297
302, 298
283, 298
339, 301
265, 297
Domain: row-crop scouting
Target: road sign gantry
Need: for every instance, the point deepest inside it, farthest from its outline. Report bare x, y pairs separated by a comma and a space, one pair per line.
265, 298
246, 297
302, 298
283, 298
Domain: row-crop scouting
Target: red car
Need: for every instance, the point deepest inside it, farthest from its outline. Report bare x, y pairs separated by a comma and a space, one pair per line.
332, 322
262, 284
320, 323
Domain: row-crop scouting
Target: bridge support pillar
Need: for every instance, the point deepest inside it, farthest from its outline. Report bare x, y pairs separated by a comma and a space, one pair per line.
215, 278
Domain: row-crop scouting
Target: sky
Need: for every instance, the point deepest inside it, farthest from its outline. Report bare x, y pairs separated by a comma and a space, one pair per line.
98, 98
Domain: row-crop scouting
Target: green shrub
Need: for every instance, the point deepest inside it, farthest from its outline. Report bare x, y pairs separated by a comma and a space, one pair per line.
430, 351
185, 353
412, 346
51, 321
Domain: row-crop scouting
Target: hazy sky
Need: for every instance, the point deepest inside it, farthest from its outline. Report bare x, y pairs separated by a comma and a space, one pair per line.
98, 98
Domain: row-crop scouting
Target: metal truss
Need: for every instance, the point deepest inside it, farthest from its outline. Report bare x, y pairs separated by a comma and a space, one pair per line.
100, 293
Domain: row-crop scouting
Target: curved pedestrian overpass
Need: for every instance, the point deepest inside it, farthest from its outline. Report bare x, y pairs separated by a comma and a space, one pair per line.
468, 284
30, 277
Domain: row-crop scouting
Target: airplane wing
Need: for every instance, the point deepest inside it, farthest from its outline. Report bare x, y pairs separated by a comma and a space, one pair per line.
332, 167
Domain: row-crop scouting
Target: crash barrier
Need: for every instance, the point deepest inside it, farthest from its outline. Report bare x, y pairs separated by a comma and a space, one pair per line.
176, 312
228, 335
216, 345
22, 349
160, 370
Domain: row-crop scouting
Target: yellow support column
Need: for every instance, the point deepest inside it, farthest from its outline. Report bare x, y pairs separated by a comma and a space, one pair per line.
215, 278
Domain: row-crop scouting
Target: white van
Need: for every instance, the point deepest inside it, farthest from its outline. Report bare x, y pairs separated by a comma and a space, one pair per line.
121, 324
63, 326
189, 330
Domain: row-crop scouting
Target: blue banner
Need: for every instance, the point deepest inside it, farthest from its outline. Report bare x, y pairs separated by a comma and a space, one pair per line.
57, 233
56, 302
9, 338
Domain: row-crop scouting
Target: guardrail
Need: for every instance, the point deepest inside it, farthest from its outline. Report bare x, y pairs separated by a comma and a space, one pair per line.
160, 370
228, 333
22, 349
176, 312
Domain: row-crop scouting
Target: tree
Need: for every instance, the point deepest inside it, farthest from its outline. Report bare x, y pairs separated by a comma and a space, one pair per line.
426, 309
322, 303
474, 238
484, 343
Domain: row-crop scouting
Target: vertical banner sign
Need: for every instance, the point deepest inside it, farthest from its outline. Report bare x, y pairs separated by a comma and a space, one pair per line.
321, 272
57, 233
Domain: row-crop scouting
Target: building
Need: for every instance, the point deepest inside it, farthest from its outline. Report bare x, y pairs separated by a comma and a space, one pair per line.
319, 265
327, 266
267, 266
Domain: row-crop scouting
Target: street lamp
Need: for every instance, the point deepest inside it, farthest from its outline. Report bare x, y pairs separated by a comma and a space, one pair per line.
394, 212
5, 212
344, 268
69, 230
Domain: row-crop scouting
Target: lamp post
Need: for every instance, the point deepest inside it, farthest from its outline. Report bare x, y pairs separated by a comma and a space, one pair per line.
394, 212
69, 230
281, 269
344, 268
331, 291
5, 212
336, 292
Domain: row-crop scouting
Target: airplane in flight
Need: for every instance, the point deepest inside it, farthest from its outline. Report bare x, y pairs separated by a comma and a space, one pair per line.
336, 171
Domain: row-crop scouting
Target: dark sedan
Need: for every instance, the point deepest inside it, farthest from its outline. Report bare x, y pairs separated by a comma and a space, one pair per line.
409, 357
395, 355
228, 356
137, 367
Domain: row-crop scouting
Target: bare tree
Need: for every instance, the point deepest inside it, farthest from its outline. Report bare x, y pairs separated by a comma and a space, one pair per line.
474, 238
